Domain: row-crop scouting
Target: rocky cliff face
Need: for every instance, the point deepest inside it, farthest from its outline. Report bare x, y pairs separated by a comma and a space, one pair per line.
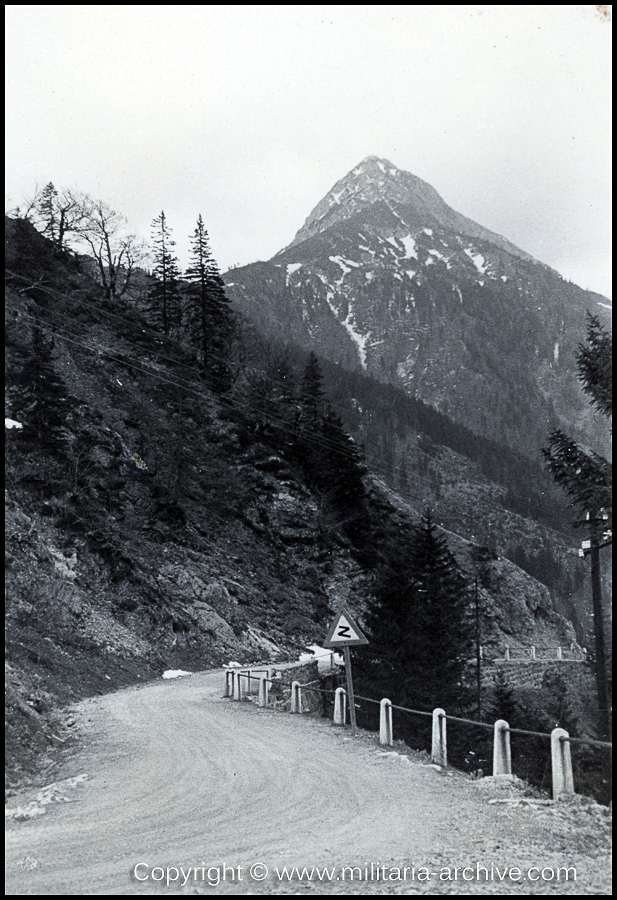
384, 276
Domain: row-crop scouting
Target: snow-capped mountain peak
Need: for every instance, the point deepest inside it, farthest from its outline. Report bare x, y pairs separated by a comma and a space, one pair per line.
386, 277
376, 180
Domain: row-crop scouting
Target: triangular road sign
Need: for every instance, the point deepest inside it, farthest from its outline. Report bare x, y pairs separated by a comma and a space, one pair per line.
344, 632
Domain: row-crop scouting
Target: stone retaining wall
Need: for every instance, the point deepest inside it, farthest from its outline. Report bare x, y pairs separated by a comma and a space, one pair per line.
532, 674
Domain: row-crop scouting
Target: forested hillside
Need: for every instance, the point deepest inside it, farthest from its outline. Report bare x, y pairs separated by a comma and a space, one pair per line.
180, 495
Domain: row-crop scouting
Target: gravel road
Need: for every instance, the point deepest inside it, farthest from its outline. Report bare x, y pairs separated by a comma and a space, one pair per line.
179, 777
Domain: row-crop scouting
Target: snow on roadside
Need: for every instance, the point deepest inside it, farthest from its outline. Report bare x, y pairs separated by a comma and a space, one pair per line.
11, 423
175, 673
51, 793
323, 657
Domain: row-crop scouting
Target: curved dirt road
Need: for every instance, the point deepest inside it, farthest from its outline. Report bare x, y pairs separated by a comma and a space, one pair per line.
180, 777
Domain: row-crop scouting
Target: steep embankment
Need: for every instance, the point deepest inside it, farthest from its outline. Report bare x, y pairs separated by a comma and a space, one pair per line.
147, 527
179, 777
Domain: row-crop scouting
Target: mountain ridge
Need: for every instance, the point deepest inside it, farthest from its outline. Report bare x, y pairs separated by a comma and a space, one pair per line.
385, 277
375, 180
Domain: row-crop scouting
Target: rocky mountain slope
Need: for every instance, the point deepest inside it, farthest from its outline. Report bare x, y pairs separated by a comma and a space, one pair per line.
151, 524
385, 277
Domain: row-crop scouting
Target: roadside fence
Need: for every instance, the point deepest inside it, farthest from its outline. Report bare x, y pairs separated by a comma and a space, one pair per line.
242, 682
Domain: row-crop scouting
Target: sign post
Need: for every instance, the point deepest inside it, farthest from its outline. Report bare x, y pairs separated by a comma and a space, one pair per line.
343, 634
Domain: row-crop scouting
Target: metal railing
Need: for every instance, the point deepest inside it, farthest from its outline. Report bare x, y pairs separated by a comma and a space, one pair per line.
535, 653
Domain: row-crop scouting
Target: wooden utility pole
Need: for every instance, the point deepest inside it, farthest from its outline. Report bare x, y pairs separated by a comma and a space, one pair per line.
478, 650
598, 626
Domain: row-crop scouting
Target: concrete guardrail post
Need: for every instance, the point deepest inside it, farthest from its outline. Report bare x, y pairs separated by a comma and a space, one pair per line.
502, 754
559, 653
561, 761
296, 697
239, 691
533, 652
340, 706
439, 747
507, 654
228, 683
385, 722
262, 699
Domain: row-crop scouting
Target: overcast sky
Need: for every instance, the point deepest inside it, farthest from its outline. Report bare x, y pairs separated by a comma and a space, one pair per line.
249, 114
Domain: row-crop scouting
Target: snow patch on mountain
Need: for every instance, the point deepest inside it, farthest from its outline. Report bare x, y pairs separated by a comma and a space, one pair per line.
291, 268
409, 244
438, 255
359, 339
478, 261
344, 264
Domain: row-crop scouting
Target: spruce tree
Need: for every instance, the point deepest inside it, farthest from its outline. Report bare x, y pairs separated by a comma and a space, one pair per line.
210, 319
38, 397
312, 397
45, 207
419, 626
503, 703
587, 478
583, 474
443, 614
332, 463
164, 296
595, 365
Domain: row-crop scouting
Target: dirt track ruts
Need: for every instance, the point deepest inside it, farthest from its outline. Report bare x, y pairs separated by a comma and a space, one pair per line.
179, 776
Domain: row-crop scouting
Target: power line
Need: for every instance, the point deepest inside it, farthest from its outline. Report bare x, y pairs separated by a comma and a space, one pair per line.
280, 423
62, 333
273, 418
376, 462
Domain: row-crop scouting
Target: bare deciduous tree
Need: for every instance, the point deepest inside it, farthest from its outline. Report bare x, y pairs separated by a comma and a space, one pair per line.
116, 251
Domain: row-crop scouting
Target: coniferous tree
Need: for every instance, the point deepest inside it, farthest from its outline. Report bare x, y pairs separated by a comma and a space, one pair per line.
585, 475
503, 704
38, 396
595, 365
45, 207
312, 396
444, 605
587, 479
210, 318
56, 214
164, 296
341, 476
330, 459
419, 627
